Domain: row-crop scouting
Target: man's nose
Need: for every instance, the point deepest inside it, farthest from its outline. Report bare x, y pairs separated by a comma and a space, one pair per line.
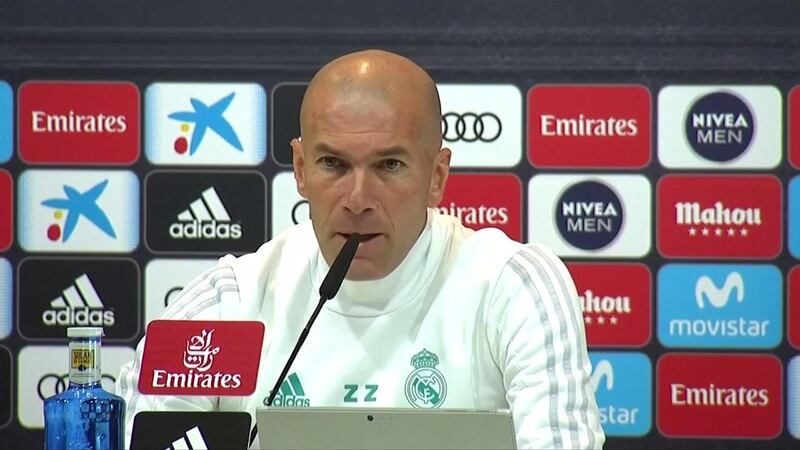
360, 196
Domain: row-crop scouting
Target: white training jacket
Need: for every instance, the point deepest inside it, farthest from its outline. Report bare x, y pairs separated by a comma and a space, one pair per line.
468, 320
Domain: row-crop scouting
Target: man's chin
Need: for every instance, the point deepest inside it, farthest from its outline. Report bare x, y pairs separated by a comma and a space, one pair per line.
361, 270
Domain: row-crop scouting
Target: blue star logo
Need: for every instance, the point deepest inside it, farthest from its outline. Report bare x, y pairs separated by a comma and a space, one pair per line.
205, 117
83, 204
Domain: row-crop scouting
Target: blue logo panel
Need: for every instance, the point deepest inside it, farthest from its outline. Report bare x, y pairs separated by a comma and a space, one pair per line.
794, 217
6, 121
5, 298
720, 306
622, 384
793, 397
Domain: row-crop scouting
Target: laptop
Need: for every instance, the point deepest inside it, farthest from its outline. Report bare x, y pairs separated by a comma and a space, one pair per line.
190, 430
384, 428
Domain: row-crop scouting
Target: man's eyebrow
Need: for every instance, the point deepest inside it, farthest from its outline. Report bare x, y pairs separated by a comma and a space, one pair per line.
397, 150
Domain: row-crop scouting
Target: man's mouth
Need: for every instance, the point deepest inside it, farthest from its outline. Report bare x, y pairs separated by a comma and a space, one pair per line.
365, 237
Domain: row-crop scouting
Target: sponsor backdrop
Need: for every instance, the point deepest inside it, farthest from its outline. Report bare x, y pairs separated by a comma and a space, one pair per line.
671, 195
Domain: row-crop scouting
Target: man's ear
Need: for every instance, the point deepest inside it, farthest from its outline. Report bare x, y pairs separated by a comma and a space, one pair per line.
441, 170
298, 162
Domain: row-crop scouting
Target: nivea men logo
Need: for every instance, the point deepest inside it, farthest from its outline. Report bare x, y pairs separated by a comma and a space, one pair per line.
623, 388
589, 215
598, 215
204, 211
719, 126
61, 293
720, 306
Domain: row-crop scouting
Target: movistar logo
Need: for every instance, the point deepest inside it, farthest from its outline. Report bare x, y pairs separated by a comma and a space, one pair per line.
602, 371
291, 393
78, 204
206, 117
718, 297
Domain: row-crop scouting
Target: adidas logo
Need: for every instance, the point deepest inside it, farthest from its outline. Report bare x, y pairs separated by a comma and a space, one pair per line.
79, 305
206, 218
192, 439
291, 393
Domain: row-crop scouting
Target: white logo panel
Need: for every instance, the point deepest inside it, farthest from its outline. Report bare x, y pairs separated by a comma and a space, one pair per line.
288, 207
165, 278
687, 127
205, 124
78, 211
482, 124
632, 233
43, 372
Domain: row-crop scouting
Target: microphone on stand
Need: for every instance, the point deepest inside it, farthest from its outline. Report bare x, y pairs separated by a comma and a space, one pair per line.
327, 290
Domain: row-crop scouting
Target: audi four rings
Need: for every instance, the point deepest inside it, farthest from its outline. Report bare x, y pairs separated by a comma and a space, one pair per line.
53, 384
471, 127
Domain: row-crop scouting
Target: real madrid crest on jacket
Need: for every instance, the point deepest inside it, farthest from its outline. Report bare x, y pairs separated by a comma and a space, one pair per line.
468, 320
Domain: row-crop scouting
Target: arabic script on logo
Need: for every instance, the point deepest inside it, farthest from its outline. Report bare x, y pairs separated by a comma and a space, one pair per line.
199, 353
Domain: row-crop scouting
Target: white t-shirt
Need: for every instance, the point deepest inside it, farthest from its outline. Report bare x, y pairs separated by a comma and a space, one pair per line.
468, 320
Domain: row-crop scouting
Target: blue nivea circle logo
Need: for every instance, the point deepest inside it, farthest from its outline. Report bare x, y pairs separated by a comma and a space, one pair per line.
589, 215
719, 126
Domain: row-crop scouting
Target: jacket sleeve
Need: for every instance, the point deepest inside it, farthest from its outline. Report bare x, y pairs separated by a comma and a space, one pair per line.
205, 298
536, 335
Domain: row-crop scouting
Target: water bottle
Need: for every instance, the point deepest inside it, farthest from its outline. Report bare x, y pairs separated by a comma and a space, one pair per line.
84, 416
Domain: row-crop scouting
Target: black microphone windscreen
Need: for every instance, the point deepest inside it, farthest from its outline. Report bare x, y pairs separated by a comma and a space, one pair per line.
333, 281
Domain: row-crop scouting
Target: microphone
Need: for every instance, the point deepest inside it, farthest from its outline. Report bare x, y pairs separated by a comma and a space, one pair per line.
327, 290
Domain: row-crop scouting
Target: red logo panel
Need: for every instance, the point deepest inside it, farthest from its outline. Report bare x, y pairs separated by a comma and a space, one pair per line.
193, 357
716, 395
719, 216
76, 122
616, 302
589, 126
793, 310
794, 126
6, 210
482, 201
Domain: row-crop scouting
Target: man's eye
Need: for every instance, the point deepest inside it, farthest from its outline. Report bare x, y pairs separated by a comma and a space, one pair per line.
392, 165
329, 162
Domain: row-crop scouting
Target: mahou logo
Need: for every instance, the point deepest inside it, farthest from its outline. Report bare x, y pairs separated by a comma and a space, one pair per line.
78, 122
719, 127
794, 126
793, 311
616, 303
711, 395
589, 126
185, 357
719, 216
482, 201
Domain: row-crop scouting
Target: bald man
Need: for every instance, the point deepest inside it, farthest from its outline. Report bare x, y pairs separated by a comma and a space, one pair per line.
431, 314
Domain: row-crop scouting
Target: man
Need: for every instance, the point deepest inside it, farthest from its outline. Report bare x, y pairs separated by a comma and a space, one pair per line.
489, 322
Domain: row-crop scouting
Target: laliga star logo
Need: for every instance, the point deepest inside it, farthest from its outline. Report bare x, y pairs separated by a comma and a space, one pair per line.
603, 370
705, 288
205, 117
199, 354
78, 204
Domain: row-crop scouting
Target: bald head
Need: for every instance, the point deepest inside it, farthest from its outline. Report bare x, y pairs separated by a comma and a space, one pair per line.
373, 84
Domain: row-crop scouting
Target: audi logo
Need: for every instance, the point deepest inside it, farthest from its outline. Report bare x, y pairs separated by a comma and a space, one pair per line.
171, 295
471, 127
52, 384
300, 212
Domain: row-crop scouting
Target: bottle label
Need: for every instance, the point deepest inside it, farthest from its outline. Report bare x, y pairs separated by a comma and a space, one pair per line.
84, 367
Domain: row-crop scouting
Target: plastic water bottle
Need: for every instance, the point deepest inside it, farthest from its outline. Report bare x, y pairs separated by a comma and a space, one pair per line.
84, 416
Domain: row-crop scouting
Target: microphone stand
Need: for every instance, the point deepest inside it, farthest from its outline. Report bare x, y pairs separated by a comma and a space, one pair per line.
328, 289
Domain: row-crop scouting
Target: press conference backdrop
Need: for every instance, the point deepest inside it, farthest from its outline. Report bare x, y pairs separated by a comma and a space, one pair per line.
654, 147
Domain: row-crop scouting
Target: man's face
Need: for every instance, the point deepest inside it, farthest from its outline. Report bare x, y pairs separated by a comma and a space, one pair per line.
364, 168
